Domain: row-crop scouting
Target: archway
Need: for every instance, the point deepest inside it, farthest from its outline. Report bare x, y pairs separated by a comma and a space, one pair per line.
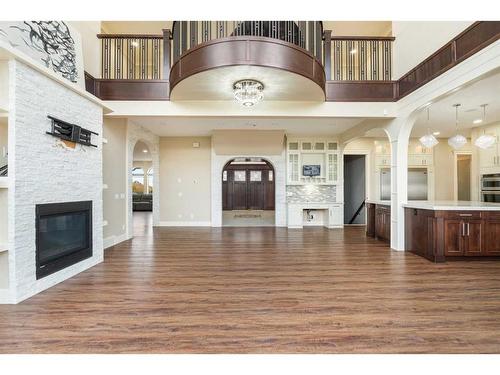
248, 192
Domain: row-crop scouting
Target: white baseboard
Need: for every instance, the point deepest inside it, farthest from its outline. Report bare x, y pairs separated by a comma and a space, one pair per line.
185, 224
114, 240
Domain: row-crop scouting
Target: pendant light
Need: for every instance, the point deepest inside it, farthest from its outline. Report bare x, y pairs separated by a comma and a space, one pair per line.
485, 140
458, 140
428, 140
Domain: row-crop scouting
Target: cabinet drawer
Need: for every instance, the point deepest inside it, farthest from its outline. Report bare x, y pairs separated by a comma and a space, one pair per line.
463, 215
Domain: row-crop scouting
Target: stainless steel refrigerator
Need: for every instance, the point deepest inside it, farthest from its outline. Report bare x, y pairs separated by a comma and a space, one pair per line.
417, 184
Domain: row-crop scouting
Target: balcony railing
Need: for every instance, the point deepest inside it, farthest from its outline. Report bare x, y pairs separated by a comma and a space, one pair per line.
305, 34
131, 56
361, 58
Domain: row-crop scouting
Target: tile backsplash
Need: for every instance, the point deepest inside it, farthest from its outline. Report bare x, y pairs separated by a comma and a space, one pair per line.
311, 193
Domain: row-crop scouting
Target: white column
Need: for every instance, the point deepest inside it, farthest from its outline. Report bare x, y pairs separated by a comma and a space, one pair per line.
399, 135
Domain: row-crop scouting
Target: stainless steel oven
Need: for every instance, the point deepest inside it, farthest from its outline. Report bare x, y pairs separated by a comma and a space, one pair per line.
492, 196
490, 182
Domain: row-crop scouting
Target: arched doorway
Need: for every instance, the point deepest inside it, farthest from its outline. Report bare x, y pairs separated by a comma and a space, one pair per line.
248, 192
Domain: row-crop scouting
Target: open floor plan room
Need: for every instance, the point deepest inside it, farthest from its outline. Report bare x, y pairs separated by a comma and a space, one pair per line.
250, 187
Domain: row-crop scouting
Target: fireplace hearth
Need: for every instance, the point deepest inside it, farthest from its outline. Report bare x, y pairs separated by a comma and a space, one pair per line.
63, 235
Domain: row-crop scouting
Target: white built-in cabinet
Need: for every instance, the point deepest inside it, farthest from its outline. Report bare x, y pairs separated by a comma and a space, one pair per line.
489, 159
324, 153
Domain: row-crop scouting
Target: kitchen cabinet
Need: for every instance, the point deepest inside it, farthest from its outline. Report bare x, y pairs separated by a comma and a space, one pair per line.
438, 234
379, 221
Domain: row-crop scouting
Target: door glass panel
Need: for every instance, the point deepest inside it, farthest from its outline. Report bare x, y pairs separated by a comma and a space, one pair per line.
255, 175
319, 146
240, 176
332, 145
270, 175
224, 176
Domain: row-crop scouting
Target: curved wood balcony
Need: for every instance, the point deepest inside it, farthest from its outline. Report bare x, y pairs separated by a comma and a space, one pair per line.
248, 50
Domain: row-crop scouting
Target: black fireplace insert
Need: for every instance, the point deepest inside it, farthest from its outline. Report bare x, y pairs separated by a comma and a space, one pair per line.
63, 235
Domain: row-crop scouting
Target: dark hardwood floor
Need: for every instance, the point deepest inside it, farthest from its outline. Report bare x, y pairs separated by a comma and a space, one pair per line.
261, 290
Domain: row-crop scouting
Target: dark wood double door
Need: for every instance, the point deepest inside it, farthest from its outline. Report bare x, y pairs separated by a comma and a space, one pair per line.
248, 187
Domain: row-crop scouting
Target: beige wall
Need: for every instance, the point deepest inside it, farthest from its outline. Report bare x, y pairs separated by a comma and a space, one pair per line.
4, 138
444, 169
115, 176
417, 40
256, 142
185, 180
4, 86
90, 44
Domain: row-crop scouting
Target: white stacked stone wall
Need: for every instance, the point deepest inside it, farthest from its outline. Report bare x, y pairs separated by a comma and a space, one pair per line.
46, 171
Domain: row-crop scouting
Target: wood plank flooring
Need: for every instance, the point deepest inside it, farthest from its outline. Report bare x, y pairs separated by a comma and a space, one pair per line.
261, 290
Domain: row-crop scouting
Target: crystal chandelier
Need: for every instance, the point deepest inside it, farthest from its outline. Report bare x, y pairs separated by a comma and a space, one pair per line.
248, 92
485, 140
458, 140
428, 140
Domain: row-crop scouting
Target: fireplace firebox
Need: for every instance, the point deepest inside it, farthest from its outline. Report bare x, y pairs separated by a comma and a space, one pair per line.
63, 235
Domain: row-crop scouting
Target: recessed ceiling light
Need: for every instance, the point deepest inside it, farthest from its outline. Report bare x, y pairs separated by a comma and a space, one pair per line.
477, 121
353, 51
436, 133
145, 151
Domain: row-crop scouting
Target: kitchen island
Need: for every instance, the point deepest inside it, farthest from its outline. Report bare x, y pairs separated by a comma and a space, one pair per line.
378, 219
445, 230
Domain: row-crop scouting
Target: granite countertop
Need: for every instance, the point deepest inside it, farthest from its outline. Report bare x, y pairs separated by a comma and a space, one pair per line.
378, 201
453, 205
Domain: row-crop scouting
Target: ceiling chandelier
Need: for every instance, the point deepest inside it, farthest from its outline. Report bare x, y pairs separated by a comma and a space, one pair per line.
428, 140
458, 140
248, 92
485, 140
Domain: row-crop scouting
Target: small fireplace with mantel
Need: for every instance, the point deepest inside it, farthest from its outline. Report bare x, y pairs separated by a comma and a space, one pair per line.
63, 235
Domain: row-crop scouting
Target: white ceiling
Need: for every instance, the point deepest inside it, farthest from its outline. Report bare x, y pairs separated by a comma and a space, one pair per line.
339, 28
182, 126
217, 84
139, 154
442, 112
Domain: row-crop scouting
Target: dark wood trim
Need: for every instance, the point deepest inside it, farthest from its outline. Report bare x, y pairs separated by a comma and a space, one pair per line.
470, 41
247, 50
132, 89
167, 36
129, 36
353, 37
90, 83
361, 91
327, 53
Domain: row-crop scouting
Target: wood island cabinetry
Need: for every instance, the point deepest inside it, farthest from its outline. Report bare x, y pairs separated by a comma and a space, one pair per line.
378, 221
441, 234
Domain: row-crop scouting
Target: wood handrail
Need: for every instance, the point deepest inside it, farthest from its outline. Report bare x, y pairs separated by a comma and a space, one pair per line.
129, 36
388, 38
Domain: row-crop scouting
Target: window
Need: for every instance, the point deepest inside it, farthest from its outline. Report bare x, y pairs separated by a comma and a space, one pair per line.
240, 176
255, 176
270, 176
224, 176
138, 180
